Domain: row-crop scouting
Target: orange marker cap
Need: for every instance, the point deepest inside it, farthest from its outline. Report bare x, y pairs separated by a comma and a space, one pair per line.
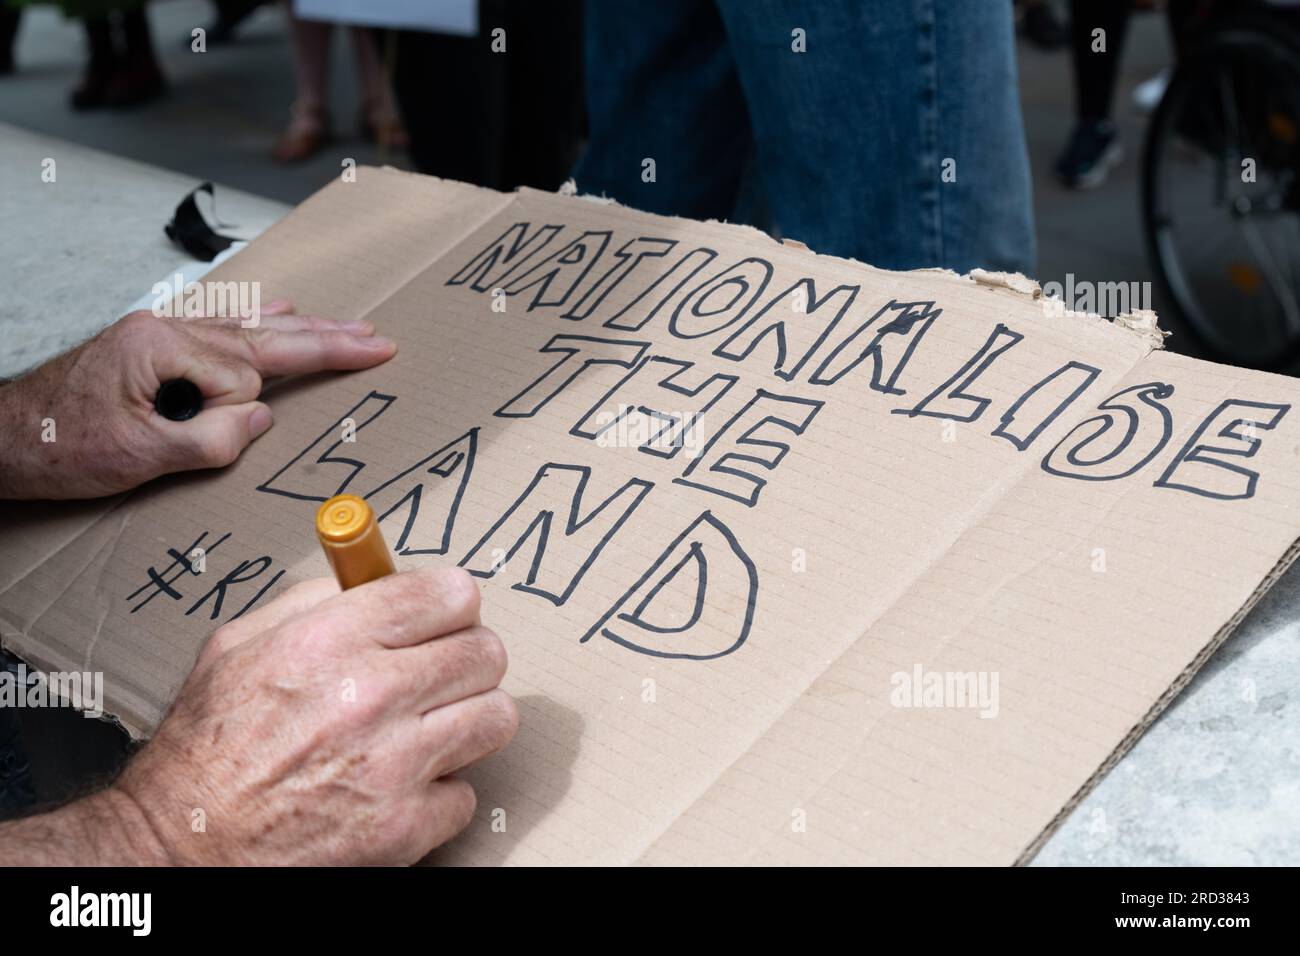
352, 541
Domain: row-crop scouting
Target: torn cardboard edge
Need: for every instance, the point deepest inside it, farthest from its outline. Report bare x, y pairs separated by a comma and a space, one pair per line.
105, 716
1143, 323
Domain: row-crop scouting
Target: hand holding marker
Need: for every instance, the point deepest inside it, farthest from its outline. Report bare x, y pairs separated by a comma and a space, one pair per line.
178, 400
352, 541
345, 524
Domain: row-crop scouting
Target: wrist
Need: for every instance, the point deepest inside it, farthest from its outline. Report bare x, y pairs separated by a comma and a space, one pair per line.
129, 835
105, 829
19, 434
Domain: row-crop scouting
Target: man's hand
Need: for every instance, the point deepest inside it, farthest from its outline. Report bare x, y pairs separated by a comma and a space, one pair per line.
319, 729
99, 398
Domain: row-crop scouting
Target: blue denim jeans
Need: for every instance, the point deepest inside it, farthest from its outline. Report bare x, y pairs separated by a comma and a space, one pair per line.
843, 147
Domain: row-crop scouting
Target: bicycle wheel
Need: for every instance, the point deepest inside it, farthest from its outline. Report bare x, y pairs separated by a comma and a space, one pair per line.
1221, 194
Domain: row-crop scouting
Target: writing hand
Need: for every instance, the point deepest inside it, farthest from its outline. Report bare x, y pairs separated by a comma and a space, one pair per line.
319, 729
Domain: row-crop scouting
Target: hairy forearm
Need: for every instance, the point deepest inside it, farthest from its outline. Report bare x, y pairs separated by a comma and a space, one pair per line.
105, 829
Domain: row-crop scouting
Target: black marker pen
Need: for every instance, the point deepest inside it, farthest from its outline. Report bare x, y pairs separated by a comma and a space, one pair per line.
178, 400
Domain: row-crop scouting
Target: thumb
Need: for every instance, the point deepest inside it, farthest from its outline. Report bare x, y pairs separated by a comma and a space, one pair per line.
215, 437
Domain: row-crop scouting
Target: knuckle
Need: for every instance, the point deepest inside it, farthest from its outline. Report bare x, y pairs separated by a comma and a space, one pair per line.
217, 646
298, 593
139, 322
458, 591
137, 329
222, 640
490, 653
305, 637
220, 449
371, 703
498, 721
249, 380
474, 656
461, 803
393, 828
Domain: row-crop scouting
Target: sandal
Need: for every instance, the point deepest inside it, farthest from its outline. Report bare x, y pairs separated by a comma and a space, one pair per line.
307, 135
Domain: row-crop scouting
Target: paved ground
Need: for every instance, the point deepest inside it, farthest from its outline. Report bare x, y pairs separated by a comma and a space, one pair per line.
225, 109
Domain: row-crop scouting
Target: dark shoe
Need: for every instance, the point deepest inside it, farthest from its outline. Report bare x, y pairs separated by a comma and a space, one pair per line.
1042, 28
92, 92
1093, 151
136, 85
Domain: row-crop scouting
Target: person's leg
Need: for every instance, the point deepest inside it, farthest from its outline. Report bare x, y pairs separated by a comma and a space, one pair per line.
138, 77
380, 122
447, 83
1097, 29
668, 131
1184, 17
101, 61
896, 137
517, 115
10, 17
309, 123
230, 14
544, 103
1040, 25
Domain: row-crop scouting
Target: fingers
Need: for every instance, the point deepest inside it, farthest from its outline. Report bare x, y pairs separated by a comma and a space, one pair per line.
215, 437
461, 734
291, 323
279, 314
402, 610
299, 599
272, 352
277, 307
451, 668
222, 381
447, 808
231, 364
228, 362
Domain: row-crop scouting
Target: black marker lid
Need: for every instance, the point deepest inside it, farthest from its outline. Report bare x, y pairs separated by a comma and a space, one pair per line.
178, 400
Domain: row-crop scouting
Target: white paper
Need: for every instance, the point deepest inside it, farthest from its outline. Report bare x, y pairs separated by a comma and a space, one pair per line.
457, 17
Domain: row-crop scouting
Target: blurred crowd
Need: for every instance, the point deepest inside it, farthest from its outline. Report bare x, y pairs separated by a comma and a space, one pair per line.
881, 130
401, 66
498, 99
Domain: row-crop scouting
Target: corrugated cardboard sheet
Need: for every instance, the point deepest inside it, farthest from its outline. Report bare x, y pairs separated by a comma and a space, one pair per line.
796, 560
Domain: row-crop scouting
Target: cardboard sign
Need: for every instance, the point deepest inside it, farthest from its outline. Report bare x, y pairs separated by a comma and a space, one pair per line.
797, 561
